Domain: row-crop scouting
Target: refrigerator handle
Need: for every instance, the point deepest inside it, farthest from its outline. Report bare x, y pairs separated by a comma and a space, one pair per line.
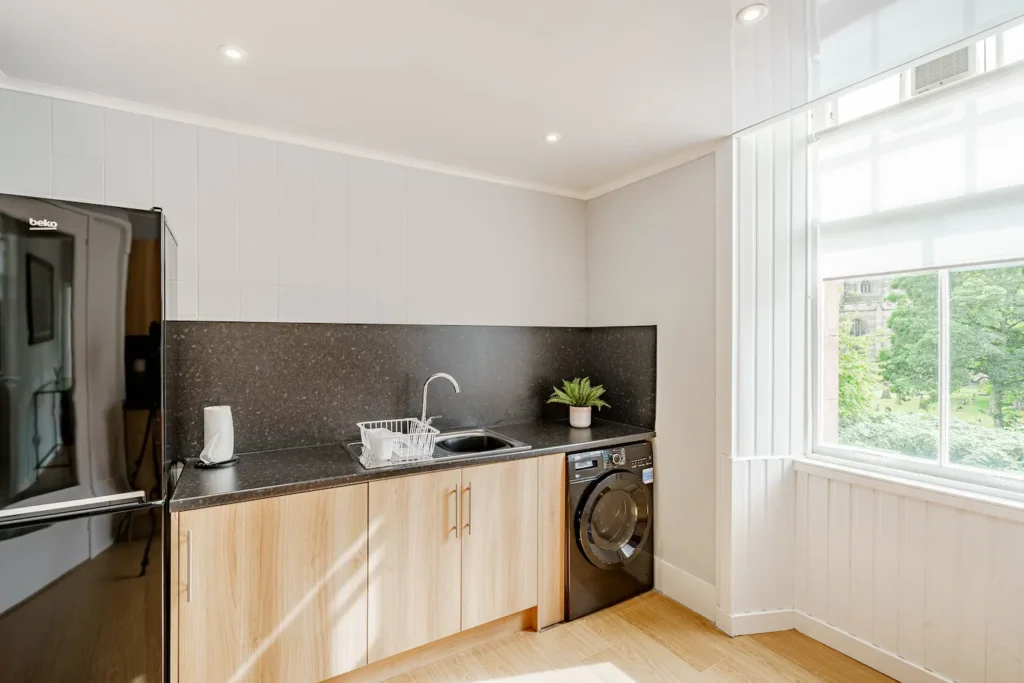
71, 507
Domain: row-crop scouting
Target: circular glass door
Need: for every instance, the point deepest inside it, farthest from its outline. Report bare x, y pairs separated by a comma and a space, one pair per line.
613, 523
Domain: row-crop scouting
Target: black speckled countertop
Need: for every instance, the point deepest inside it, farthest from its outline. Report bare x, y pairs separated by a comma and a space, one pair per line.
293, 470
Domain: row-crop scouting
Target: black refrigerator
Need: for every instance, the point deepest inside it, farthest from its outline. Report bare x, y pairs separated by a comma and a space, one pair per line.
84, 293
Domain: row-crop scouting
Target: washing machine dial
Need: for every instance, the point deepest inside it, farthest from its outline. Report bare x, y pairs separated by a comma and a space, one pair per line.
618, 458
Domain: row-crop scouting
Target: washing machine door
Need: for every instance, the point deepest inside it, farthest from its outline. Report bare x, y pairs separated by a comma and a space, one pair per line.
613, 523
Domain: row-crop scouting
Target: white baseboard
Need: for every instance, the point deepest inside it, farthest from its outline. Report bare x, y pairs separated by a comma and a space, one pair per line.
864, 652
754, 622
685, 588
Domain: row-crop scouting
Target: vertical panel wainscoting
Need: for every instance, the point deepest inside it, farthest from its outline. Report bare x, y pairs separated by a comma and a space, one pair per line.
761, 546
769, 371
919, 590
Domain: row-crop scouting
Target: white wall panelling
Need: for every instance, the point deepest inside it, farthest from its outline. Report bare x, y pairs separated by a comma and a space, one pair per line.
769, 316
651, 259
276, 231
759, 592
931, 585
771, 62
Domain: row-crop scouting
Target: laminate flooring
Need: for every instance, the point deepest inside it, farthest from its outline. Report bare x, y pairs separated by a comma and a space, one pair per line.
647, 639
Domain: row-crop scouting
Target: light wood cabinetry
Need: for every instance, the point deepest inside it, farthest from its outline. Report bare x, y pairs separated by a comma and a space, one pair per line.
551, 535
312, 586
499, 540
415, 561
274, 589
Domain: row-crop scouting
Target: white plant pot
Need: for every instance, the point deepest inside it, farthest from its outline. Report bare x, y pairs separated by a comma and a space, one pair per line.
579, 417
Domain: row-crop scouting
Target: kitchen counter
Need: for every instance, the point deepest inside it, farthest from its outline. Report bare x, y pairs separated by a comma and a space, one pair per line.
293, 470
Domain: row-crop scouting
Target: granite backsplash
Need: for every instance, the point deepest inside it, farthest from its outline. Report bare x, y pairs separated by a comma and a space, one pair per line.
304, 384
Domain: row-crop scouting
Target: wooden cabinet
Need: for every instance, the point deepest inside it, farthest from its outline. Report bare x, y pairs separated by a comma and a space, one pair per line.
551, 535
310, 586
273, 589
499, 540
415, 561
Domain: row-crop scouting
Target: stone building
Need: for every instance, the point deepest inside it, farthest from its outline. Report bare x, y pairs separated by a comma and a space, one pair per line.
865, 301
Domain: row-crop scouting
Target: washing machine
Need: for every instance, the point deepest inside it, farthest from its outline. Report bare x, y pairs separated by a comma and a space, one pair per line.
610, 527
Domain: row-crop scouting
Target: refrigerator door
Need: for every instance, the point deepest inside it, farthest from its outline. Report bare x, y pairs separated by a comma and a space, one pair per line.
73, 606
82, 472
81, 309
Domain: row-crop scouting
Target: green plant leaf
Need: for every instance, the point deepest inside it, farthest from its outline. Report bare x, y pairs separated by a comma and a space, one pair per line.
579, 393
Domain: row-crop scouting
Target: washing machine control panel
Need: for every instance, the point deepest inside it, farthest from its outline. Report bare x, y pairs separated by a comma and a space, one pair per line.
592, 463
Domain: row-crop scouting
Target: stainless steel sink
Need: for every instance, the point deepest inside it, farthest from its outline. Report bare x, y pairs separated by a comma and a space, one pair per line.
464, 443
468, 442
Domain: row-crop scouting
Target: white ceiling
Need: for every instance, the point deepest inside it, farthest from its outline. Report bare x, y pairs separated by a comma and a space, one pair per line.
473, 84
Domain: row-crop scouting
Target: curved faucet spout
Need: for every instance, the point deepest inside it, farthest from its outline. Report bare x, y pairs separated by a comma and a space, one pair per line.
444, 375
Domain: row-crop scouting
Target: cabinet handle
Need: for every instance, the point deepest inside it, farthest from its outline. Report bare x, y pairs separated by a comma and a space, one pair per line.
188, 568
454, 527
467, 510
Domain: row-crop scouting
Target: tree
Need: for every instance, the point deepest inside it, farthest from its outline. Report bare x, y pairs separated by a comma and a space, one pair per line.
986, 310
986, 337
911, 363
858, 374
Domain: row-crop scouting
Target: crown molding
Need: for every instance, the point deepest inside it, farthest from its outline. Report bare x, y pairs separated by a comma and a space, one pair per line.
681, 157
226, 125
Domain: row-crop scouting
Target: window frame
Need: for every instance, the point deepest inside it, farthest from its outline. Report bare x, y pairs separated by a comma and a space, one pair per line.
973, 478
989, 55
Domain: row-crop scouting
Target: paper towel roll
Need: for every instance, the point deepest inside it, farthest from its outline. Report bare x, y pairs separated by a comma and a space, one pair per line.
218, 434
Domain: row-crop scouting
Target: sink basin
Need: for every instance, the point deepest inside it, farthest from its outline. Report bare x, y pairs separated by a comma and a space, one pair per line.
475, 442
464, 443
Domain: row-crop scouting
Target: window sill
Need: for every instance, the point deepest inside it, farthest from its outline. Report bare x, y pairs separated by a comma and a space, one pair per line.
979, 499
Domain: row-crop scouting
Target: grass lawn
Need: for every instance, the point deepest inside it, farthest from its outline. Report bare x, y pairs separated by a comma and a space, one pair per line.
968, 405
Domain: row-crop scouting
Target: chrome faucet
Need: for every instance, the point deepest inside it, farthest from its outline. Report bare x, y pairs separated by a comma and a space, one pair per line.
445, 375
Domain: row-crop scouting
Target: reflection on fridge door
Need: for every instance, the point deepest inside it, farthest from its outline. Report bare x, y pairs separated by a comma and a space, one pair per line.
82, 472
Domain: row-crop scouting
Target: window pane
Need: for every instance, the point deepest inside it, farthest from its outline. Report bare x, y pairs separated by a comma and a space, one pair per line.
1013, 45
869, 99
986, 317
880, 364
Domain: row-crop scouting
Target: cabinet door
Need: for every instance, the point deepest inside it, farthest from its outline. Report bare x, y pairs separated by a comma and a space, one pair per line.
210, 610
414, 562
276, 589
499, 540
551, 539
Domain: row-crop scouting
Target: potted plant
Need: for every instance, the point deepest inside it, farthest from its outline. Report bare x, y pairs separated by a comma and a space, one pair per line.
580, 396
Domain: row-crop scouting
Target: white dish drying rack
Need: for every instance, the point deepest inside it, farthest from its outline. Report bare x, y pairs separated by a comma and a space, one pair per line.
412, 440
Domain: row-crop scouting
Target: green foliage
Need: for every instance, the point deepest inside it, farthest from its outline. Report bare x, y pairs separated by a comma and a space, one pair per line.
918, 435
986, 336
858, 373
579, 394
911, 364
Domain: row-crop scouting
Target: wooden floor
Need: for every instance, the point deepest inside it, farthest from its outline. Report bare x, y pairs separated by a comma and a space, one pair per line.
649, 638
56, 635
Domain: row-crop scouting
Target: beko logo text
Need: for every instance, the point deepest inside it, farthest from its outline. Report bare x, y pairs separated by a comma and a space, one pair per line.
42, 223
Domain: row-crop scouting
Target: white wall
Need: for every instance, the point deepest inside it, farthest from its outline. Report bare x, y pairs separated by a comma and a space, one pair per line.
651, 260
920, 585
272, 231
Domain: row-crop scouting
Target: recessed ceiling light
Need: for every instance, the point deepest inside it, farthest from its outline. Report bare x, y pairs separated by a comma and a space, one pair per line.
752, 13
552, 138
232, 53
